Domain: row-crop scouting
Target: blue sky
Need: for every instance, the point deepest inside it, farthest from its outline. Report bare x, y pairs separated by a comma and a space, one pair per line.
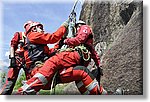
14, 13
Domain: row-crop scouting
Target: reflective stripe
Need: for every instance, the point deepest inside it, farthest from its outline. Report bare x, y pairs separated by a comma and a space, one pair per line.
42, 78
93, 84
63, 71
30, 92
86, 92
104, 92
27, 89
25, 86
79, 84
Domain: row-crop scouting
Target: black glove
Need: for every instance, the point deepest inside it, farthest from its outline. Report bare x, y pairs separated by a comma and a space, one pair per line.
100, 71
97, 72
12, 62
61, 42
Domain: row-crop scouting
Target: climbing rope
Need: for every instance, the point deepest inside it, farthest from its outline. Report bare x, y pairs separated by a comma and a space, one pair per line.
72, 22
53, 84
71, 33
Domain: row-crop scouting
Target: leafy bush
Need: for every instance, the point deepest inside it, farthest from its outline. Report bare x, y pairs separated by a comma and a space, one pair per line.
2, 78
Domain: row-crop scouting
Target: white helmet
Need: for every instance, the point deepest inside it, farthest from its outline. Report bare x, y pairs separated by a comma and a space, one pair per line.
80, 22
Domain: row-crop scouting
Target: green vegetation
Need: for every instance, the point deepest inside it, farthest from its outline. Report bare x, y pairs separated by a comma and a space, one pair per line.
57, 91
19, 81
2, 77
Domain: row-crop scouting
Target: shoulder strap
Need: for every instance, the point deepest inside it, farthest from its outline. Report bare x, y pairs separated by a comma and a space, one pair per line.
22, 37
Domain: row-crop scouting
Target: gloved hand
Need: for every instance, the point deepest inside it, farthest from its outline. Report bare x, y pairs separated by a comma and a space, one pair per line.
66, 23
12, 62
61, 42
97, 72
100, 71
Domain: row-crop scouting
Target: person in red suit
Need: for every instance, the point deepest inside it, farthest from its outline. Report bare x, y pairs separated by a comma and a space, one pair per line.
71, 64
22, 48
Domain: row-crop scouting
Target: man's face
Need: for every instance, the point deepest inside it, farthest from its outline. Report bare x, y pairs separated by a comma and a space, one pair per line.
37, 28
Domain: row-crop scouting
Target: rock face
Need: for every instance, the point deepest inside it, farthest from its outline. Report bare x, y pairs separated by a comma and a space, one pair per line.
118, 35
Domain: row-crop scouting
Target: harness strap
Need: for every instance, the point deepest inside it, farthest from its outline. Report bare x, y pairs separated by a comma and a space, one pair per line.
82, 50
23, 37
54, 83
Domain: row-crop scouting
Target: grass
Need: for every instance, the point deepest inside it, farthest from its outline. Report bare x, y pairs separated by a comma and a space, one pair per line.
58, 90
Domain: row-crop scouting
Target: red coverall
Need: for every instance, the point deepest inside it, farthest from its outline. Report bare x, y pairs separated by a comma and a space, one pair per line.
38, 49
29, 70
13, 72
64, 62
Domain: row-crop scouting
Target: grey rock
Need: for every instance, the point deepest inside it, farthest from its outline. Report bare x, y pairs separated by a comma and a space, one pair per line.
118, 29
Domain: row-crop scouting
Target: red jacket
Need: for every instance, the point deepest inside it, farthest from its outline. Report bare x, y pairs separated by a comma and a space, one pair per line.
39, 43
46, 38
16, 40
82, 37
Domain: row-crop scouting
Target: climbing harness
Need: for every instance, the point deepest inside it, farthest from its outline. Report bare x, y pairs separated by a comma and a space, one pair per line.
84, 52
81, 49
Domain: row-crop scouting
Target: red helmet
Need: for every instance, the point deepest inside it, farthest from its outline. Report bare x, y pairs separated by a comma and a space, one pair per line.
29, 24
